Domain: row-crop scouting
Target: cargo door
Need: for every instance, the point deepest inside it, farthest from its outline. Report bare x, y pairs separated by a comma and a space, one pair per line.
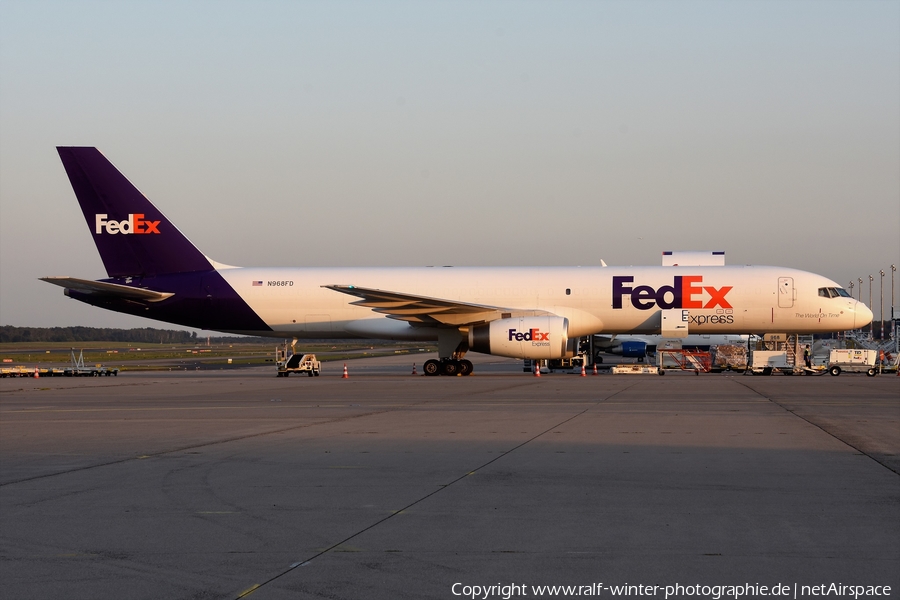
673, 323
786, 292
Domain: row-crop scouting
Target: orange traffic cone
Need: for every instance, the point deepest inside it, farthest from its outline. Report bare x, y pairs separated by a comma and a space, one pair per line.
414, 369
345, 376
537, 368
595, 368
37, 373
583, 374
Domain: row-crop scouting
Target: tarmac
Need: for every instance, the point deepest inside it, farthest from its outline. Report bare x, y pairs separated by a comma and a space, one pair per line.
230, 484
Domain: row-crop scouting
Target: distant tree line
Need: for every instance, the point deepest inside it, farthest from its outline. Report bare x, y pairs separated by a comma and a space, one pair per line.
145, 335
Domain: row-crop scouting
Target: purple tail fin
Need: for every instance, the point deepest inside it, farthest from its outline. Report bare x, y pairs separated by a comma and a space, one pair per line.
133, 237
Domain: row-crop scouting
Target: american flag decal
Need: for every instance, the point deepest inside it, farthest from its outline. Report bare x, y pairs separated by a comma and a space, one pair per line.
257, 283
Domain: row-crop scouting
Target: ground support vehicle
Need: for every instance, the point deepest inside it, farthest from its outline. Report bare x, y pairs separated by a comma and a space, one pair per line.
77, 368
766, 362
83, 371
636, 370
17, 371
298, 363
852, 361
566, 365
686, 360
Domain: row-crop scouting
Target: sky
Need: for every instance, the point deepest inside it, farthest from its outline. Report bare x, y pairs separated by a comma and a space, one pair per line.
455, 133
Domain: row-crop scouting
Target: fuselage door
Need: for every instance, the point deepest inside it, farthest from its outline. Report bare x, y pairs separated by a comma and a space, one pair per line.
785, 292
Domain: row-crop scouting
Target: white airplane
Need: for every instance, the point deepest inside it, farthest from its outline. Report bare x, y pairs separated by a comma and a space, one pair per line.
521, 312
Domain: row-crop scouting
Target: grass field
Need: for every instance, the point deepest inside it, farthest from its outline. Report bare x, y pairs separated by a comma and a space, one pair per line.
130, 357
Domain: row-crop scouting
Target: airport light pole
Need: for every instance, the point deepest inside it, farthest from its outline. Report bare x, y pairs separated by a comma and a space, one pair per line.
893, 325
881, 328
871, 326
859, 279
852, 284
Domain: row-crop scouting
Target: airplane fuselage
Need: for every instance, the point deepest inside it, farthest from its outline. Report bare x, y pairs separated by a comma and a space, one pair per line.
292, 302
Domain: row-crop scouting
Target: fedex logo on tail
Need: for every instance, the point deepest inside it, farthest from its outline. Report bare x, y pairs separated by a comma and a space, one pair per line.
133, 224
686, 291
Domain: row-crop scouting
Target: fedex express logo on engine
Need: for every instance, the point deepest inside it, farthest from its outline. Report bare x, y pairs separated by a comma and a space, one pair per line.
133, 224
686, 291
532, 335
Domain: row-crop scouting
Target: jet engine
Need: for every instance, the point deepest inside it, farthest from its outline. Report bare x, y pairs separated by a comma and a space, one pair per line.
524, 337
634, 349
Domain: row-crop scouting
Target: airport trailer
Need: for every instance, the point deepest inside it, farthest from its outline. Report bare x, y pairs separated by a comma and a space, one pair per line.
852, 361
21, 371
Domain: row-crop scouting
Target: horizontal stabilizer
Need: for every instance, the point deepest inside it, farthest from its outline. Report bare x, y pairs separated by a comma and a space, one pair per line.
108, 289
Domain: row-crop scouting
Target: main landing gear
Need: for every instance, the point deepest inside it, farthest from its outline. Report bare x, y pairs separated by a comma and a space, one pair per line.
448, 366
452, 347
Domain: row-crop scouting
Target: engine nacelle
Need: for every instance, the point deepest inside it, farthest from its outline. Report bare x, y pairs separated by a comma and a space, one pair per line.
634, 349
524, 337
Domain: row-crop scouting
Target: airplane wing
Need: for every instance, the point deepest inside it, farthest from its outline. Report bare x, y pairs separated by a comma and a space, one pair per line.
108, 289
429, 311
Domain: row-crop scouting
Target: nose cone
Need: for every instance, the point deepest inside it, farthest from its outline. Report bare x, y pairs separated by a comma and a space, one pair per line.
863, 317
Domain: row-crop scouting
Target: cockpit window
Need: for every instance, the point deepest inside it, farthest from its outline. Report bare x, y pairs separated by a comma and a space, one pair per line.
833, 293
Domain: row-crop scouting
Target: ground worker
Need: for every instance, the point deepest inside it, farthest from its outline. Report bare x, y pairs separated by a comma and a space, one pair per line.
807, 358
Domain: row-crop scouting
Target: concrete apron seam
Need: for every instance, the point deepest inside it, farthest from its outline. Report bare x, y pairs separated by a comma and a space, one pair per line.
305, 562
819, 427
216, 442
206, 444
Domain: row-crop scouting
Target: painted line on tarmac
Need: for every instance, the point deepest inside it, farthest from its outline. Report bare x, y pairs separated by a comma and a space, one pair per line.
820, 427
390, 408
203, 445
441, 488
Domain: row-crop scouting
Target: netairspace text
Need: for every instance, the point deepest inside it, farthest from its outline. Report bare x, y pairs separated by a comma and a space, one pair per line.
678, 590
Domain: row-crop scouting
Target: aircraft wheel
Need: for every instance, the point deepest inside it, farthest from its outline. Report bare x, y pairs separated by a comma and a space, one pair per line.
432, 367
309, 373
466, 367
835, 371
449, 368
